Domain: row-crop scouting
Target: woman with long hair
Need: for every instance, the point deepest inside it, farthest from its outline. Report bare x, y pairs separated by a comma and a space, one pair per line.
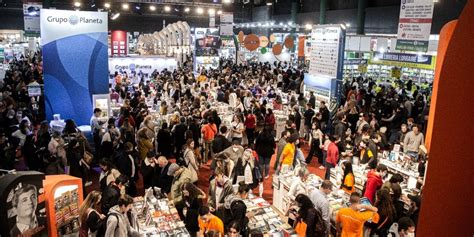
317, 143
309, 216
190, 159
386, 211
192, 199
348, 180
90, 218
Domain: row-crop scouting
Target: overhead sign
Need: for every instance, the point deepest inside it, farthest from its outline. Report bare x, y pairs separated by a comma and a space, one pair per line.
143, 65
414, 26
355, 61
75, 61
404, 60
31, 17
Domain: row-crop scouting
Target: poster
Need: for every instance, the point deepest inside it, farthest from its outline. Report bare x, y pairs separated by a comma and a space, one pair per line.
208, 42
404, 60
75, 62
226, 24
118, 43
31, 17
326, 62
414, 26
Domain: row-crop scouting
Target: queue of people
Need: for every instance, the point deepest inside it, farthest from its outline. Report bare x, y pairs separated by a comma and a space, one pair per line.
371, 117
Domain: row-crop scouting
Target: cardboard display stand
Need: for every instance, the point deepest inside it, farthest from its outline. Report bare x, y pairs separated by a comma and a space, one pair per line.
64, 195
23, 200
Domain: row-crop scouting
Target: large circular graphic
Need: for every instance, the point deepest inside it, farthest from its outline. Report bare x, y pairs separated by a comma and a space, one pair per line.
241, 36
277, 48
263, 41
251, 42
289, 42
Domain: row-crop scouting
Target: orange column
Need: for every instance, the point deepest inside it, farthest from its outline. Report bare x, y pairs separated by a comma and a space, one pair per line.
447, 207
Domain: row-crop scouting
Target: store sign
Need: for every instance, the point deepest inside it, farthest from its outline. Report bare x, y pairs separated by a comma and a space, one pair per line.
75, 61
355, 61
226, 24
404, 60
143, 65
119, 43
31, 17
414, 26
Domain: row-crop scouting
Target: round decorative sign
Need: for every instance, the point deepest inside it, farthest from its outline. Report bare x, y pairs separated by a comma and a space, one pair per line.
241, 36
289, 42
277, 48
263, 41
251, 42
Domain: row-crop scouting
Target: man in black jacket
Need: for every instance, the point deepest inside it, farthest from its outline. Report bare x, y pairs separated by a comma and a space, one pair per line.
127, 165
148, 169
325, 115
220, 143
163, 180
111, 193
179, 132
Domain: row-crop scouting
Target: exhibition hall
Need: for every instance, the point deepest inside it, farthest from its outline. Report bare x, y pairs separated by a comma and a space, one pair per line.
229, 118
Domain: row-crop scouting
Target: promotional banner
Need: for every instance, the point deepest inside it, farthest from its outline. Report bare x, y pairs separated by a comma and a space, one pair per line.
207, 42
75, 62
404, 60
326, 62
414, 26
226, 21
31, 17
119, 43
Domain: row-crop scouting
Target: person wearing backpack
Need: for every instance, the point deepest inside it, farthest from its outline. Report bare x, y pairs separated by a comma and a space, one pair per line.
309, 221
89, 216
117, 220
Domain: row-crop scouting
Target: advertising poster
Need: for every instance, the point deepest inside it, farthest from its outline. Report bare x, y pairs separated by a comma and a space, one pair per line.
118, 43
404, 60
31, 16
414, 26
24, 213
326, 62
207, 42
75, 62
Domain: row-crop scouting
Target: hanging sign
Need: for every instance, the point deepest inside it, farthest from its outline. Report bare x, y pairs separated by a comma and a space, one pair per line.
263, 41
414, 26
251, 42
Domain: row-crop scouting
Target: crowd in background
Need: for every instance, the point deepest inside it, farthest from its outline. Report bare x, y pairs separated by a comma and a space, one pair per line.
369, 118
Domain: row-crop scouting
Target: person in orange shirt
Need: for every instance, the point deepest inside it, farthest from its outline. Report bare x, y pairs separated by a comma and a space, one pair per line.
350, 220
288, 153
208, 131
348, 180
209, 222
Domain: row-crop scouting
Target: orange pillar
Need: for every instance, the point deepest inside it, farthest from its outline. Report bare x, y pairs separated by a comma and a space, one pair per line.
447, 207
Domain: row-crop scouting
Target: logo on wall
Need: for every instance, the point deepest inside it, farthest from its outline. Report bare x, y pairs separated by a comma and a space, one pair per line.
73, 20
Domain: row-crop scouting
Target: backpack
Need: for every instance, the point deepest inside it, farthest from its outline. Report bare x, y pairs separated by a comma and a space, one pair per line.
101, 231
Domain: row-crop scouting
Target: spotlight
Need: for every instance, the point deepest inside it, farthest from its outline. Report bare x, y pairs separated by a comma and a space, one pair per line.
77, 4
138, 7
219, 12
152, 8
348, 25
308, 26
107, 5
227, 1
281, 23
269, 2
186, 9
211, 11
115, 15
125, 6
167, 8
199, 10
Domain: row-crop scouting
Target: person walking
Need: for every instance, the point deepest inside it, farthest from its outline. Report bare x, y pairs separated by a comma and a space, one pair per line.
265, 147
209, 132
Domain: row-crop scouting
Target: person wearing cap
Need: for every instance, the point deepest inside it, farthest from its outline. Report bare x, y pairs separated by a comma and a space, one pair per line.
415, 205
319, 197
374, 181
180, 175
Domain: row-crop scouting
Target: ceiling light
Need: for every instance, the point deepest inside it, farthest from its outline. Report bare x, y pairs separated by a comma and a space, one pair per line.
125, 6
107, 5
308, 26
152, 8
167, 8
269, 2
219, 12
348, 25
77, 4
186, 9
227, 1
211, 11
138, 7
199, 10
281, 23
115, 15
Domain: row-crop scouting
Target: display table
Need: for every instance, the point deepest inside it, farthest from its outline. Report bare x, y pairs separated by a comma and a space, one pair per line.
266, 218
157, 217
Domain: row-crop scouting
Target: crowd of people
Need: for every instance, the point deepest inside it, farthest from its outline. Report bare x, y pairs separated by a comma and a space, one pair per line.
171, 154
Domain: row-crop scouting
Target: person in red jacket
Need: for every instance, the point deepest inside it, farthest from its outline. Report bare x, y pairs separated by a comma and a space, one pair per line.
332, 155
374, 181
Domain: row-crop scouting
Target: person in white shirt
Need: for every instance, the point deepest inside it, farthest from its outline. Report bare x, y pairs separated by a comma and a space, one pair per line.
237, 128
319, 197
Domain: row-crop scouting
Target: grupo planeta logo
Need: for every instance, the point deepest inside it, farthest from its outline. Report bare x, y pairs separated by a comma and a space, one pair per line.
73, 20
